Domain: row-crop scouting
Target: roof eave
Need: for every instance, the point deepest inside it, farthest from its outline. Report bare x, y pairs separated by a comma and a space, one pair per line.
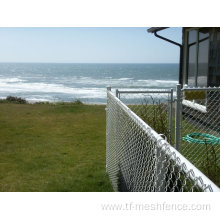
155, 29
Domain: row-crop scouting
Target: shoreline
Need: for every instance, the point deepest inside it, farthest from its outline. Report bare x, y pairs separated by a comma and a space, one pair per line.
26, 101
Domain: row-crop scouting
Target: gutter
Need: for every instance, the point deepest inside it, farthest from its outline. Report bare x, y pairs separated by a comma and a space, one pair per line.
181, 54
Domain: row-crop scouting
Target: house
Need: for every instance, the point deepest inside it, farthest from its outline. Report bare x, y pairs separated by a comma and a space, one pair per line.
199, 55
199, 66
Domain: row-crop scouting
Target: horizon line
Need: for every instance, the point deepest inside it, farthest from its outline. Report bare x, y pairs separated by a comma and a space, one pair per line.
90, 62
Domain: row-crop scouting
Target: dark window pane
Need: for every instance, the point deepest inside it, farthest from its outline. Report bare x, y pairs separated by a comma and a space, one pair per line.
214, 59
203, 60
203, 33
218, 36
192, 65
192, 36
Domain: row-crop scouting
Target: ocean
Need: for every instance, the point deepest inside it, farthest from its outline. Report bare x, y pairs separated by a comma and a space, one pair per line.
67, 82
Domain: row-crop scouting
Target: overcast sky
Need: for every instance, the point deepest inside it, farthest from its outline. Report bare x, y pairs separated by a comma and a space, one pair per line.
88, 45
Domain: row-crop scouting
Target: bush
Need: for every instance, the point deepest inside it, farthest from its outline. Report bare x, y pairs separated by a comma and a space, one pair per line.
3, 101
155, 114
42, 103
78, 102
16, 100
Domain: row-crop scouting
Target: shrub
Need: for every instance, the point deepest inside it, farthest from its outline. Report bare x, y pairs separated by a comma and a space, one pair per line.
78, 102
3, 101
210, 165
17, 100
155, 114
42, 103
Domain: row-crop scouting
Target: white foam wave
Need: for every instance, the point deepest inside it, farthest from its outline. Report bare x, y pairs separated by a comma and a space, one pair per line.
33, 100
124, 79
51, 88
158, 83
11, 80
167, 81
84, 87
85, 77
123, 82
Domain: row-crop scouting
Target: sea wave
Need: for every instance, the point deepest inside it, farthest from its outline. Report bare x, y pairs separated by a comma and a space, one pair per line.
114, 82
64, 89
158, 83
51, 88
11, 80
84, 85
123, 79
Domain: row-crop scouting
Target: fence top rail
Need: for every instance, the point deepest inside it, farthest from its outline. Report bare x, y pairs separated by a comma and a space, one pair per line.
145, 91
192, 170
201, 88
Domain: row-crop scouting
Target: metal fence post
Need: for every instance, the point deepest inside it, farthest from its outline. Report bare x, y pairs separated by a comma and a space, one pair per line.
171, 115
118, 140
178, 116
116, 93
107, 129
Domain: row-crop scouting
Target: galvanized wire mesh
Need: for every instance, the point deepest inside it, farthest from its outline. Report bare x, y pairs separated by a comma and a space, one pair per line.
155, 107
138, 159
200, 133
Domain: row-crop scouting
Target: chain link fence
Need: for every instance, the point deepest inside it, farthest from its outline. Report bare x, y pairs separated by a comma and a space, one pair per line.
139, 159
155, 107
199, 133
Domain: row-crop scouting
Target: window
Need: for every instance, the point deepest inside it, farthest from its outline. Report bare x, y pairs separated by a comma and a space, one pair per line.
197, 57
214, 58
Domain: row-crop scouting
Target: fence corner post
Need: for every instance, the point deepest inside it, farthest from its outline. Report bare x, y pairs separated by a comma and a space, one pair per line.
116, 93
171, 115
178, 115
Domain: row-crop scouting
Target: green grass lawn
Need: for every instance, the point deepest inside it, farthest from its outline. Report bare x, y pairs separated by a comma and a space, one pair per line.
47, 147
